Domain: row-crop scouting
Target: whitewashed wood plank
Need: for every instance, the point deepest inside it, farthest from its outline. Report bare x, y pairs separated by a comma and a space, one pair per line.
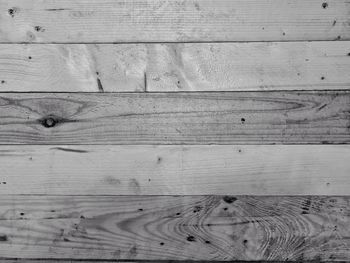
249, 66
173, 20
176, 170
175, 67
72, 68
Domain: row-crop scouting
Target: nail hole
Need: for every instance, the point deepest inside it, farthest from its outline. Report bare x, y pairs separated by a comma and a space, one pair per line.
3, 238
12, 11
229, 199
191, 238
39, 29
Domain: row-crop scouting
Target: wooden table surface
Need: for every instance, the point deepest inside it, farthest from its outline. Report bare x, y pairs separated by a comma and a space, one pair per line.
174, 131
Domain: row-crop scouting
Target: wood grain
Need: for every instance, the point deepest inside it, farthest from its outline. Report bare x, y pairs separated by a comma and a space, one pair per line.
172, 20
175, 118
175, 227
175, 170
175, 67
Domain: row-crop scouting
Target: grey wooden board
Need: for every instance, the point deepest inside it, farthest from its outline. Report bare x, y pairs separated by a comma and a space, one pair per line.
175, 227
175, 170
175, 67
103, 21
175, 118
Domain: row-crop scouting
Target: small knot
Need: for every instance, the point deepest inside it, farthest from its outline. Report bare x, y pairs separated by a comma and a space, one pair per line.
48, 122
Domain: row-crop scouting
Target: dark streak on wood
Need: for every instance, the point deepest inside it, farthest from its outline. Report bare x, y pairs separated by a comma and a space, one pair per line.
145, 81
57, 9
69, 150
99, 84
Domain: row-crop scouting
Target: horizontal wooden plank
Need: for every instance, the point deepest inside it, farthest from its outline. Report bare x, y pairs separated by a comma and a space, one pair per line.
176, 170
173, 20
175, 227
175, 118
175, 67
49, 260
249, 66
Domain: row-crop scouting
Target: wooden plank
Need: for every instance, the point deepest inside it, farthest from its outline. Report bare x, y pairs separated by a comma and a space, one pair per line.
176, 170
250, 66
132, 261
175, 118
175, 67
175, 227
71, 68
39, 260
173, 20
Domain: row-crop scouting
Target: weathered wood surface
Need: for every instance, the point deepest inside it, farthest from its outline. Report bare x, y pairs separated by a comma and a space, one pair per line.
46, 260
173, 20
175, 227
175, 118
249, 66
175, 67
176, 170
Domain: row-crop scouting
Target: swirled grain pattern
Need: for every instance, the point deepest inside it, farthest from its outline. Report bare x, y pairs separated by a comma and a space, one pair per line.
175, 227
175, 118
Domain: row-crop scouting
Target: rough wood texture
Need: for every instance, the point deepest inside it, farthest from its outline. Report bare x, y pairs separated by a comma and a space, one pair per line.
173, 20
175, 227
175, 67
249, 66
175, 118
70, 68
176, 170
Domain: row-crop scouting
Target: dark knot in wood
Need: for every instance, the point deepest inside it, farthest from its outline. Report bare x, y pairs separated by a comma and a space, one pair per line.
49, 121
